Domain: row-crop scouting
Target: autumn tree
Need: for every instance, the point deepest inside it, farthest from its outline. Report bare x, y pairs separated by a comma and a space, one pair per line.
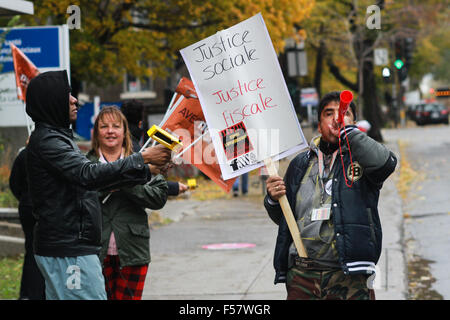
343, 39
344, 44
432, 43
117, 35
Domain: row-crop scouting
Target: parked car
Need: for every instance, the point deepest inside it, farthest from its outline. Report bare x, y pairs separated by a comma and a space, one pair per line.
411, 111
431, 113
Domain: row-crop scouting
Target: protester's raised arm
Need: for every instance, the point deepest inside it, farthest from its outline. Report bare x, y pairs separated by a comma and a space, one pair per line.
376, 159
152, 195
158, 155
61, 157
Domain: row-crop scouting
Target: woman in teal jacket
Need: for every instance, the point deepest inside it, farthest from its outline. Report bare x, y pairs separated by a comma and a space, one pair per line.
125, 249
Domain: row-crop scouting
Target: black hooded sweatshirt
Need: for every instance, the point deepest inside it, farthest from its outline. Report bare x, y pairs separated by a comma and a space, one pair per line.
62, 182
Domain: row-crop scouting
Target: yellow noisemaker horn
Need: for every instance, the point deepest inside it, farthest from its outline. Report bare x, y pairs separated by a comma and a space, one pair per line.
165, 138
192, 183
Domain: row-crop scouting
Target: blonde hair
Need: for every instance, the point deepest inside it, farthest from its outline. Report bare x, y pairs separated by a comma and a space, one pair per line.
116, 114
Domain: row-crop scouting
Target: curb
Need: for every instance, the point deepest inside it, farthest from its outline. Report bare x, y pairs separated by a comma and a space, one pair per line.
11, 246
392, 274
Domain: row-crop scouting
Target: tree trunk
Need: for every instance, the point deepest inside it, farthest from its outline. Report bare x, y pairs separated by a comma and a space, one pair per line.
371, 106
320, 55
319, 68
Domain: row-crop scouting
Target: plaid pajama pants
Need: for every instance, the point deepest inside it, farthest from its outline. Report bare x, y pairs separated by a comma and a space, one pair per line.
126, 283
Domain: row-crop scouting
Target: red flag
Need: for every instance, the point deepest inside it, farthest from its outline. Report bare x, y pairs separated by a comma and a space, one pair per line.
184, 116
25, 71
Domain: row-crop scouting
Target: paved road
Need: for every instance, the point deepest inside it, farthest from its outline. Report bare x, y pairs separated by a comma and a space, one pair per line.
182, 269
427, 209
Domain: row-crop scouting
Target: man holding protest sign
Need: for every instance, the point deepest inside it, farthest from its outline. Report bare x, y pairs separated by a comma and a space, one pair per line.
246, 103
243, 94
338, 222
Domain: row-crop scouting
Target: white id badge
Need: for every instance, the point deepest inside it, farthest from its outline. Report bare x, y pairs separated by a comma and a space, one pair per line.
322, 213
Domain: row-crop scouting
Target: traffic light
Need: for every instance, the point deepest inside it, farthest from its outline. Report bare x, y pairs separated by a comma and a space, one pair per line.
386, 73
402, 74
399, 49
404, 48
408, 51
399, 62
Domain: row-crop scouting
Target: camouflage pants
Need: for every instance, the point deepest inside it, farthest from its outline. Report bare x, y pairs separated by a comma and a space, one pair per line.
326, 285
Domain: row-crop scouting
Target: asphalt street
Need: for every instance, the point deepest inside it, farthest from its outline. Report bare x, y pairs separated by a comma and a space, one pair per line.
182, 268
427, 209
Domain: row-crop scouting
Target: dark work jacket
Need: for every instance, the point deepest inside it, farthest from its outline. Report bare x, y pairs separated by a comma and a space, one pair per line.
62, 182
354, 210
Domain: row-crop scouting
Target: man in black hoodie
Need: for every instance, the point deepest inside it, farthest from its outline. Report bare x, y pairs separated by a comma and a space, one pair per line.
63, 185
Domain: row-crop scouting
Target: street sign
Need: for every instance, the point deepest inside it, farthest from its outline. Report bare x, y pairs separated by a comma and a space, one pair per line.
381, 57
309, 96
297, 63
47, 47
442, 92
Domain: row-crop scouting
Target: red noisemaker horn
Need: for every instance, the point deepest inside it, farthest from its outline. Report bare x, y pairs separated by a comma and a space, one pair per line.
346, 98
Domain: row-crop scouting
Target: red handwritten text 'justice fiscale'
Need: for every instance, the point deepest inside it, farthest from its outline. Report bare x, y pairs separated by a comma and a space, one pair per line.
242, 88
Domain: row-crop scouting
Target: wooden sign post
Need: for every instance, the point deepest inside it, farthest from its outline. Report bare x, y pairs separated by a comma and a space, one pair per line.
287, 212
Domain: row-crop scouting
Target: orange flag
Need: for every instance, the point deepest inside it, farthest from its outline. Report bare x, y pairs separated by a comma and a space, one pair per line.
25, 71
188, 113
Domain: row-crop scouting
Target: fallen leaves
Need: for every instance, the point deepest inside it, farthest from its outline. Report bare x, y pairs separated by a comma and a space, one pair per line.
408, 175
420, 280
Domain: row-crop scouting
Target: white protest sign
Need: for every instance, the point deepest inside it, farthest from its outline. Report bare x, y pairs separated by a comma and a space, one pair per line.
244, 97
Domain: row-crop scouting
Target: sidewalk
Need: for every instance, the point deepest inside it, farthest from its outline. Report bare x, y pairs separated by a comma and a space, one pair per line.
182, 269
391, 280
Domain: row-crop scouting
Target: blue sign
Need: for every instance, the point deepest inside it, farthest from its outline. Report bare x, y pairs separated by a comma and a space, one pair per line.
85, 118
309, 96
40, 45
